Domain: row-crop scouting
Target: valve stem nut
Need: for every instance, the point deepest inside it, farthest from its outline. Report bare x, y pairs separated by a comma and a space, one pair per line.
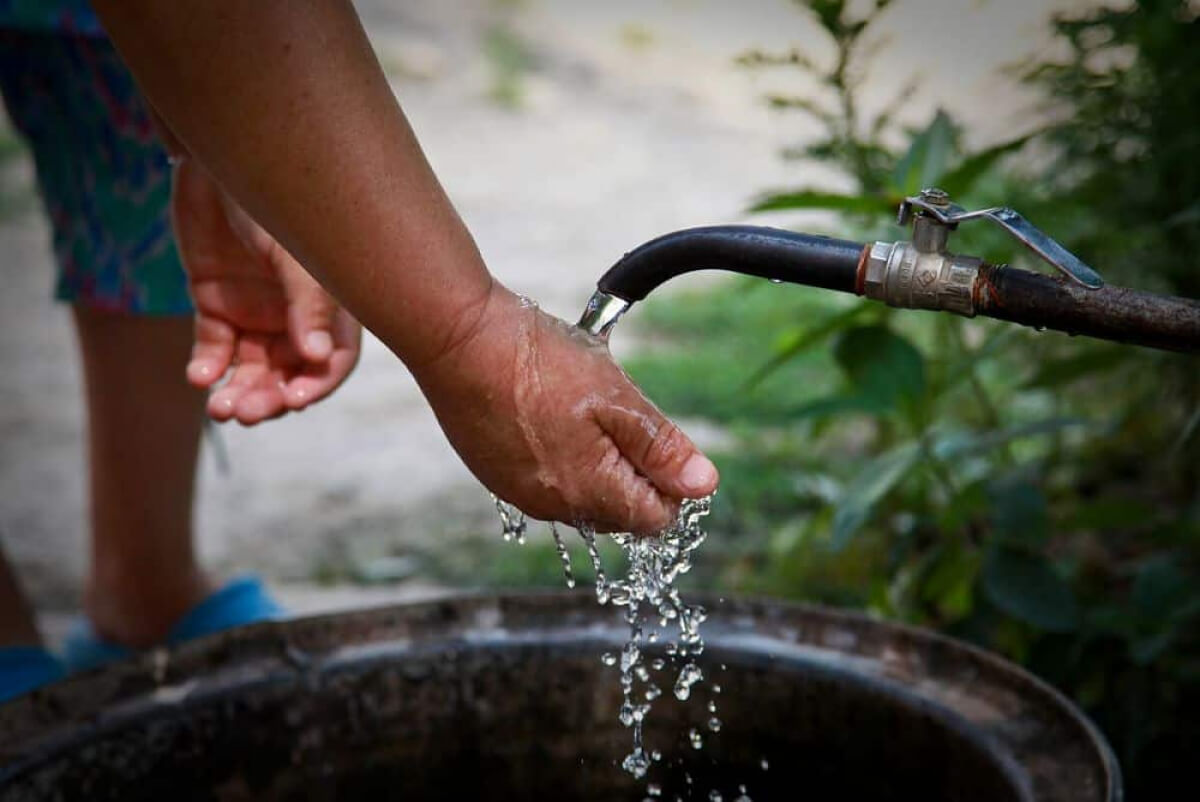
875, 278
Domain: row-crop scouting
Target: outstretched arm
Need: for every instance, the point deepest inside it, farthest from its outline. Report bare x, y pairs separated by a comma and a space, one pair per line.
286, 106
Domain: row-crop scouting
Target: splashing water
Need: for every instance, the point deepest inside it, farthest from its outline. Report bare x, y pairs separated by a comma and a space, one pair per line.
648, 590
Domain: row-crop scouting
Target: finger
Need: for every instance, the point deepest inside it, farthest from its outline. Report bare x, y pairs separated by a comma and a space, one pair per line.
262, 395
212, 351
315, 381
659, 450
311, 310
628, 501
263, 402
253, 364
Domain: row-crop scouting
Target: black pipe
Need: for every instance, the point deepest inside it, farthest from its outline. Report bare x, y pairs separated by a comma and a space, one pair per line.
1020, 296
1110, 313
766, 252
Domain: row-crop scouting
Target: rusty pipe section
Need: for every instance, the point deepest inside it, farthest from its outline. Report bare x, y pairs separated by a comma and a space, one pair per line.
1109, 313
910, 275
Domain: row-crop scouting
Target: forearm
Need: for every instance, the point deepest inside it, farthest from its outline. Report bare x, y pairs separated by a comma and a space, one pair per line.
285, 104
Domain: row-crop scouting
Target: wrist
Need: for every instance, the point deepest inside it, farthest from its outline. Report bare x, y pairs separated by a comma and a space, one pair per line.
472, 339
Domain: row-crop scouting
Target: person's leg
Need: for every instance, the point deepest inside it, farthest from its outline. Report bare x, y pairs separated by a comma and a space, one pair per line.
144, 427
17, 627
24, 662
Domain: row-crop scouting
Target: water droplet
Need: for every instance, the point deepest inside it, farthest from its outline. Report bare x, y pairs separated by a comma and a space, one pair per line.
653, 789
608, 658
689, 675
775, 280
716, 688
714, 796
629, 657
712, 707
696, 739
563, 555
714, 724
763, 763
636, 763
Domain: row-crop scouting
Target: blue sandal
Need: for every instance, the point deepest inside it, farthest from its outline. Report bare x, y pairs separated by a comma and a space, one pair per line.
23, 668
242, 601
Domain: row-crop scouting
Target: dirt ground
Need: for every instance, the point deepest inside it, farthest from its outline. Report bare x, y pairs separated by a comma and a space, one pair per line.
622, 120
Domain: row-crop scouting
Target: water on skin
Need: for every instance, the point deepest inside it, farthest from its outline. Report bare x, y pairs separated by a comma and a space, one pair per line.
647, 590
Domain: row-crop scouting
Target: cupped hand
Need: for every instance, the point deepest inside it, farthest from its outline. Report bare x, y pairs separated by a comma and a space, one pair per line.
544, 417
260, 317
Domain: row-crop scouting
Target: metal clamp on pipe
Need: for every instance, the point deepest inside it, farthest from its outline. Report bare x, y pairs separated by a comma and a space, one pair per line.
922, 274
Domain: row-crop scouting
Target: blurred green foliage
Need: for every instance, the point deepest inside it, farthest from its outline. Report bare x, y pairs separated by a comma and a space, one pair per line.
1036, 494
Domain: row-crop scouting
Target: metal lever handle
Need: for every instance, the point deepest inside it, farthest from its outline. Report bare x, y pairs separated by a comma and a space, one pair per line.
1033, 238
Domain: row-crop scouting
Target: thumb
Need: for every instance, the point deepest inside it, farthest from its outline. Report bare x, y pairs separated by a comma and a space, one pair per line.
659, 450
311, 312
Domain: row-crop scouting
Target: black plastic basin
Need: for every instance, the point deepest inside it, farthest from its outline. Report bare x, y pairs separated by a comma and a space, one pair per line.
504, 698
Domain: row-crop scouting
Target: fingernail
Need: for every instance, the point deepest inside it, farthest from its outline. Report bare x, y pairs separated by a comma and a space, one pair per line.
198, 370
319, 344
698, 474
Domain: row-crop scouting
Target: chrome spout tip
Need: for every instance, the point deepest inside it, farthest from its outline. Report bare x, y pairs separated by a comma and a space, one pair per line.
602, 313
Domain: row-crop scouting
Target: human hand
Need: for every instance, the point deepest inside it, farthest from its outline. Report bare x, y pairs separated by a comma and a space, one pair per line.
543, 416
260, 316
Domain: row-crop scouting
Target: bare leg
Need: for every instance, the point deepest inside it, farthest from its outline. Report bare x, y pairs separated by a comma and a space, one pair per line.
16, 618
144, 425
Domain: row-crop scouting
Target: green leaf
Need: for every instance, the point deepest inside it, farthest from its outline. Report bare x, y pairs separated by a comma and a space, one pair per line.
881, 365
802, 340
829, 14
925, 162
838, 405
829, 201
1027, 587
961, 180
1019, 512
871, 484
1160, 588
956, 445
1093, 361
1147, 649
807, 105
950, 582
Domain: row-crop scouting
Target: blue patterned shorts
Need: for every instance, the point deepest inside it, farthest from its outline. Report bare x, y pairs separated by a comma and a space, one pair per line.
102, 173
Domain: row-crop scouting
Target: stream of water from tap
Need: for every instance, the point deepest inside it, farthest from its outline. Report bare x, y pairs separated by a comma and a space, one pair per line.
652, 604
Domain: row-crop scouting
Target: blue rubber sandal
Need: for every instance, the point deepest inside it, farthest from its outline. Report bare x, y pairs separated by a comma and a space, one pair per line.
242, 601
23, 668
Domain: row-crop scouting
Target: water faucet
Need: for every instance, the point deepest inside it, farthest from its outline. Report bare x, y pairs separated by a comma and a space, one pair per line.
918, 273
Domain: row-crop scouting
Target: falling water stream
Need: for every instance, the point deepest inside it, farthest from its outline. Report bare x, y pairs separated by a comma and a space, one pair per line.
652, 604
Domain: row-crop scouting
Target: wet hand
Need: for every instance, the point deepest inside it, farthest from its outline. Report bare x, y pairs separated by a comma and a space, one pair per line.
260, 317
545, 418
